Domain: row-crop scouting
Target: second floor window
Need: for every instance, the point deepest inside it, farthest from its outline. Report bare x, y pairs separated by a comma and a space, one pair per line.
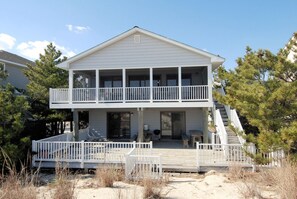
111, 81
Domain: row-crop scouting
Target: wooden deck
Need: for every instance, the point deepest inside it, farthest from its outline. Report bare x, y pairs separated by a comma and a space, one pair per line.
174, 157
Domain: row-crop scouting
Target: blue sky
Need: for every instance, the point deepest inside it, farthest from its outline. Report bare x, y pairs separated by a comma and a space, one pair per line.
218, 26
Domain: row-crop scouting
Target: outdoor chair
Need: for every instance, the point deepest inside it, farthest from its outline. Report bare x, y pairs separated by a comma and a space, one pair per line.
95, 136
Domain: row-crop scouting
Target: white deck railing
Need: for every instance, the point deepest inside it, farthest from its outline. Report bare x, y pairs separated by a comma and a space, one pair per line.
84, 95
61, 137
114, 94
130, 94
60, 95
194, 92
142, 166
138, 93
224, 155
86, 152
165, 93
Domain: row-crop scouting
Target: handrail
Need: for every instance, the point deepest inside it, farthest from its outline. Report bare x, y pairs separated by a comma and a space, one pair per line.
233, 117
237, 124
220, 128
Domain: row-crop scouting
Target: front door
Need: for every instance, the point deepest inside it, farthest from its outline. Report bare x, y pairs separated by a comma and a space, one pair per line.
118, 125
172, 124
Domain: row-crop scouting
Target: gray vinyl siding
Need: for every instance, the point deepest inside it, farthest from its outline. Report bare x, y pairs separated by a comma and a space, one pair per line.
16, 76
149, 52
97, 119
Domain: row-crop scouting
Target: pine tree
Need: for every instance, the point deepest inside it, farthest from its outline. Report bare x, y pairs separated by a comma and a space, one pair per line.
42, 76
13, 110
263, 88
45, 75
3, 73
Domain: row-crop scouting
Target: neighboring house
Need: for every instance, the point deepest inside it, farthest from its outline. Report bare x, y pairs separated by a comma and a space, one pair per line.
139, 81
15, 66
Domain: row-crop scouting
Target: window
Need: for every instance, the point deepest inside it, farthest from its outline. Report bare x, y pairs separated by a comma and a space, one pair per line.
139, 81
118, 125
172, 80
84, 79
186, 80
157, 80
111, 81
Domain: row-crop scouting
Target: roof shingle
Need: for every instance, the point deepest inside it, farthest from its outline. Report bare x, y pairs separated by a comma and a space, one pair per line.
7, 56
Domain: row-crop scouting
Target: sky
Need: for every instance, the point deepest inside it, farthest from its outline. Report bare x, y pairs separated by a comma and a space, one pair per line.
222, 27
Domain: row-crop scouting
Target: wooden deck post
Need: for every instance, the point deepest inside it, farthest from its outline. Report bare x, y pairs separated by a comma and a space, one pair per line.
75, 120
140, 124
205, 125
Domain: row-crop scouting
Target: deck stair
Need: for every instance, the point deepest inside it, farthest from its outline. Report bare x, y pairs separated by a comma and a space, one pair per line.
222, 112
179, 160
232, 137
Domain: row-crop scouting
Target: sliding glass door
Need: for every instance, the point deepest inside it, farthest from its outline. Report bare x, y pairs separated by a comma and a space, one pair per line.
118, 125
172, 124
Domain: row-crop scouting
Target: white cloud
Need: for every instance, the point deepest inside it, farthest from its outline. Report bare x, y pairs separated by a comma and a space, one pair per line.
77, 29
32, 49
6, 41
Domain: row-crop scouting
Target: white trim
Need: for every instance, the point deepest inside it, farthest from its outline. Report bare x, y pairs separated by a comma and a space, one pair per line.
214, 58
209, 83
196, 104
97, 85
179, 73
124, 84
70, 85
142, 67
14, 63
151, 84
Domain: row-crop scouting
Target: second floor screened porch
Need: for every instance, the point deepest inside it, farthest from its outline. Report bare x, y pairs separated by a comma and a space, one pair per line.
146, 85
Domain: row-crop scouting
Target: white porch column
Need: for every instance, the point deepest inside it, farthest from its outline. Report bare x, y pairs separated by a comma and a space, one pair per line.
151, 85
140, 124
75, 120
97, 85
205, 124
179, 84
70, 86
209, 82
124, 84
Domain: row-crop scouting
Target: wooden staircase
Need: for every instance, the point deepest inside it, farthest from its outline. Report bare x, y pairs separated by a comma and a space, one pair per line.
232, 137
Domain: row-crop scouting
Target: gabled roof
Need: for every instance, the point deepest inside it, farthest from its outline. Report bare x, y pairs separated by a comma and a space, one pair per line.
216, 60
14, 59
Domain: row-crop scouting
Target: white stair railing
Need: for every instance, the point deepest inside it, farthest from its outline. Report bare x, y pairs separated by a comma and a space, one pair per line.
220, 128
141, 164
237, 125
233, 117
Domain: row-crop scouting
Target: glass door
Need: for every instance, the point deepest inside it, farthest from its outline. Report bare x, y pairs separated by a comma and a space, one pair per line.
172, 124
166, 125
118, 125
178, 124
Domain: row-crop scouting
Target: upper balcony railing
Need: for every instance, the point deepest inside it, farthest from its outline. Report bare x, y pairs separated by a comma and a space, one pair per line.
129, 94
